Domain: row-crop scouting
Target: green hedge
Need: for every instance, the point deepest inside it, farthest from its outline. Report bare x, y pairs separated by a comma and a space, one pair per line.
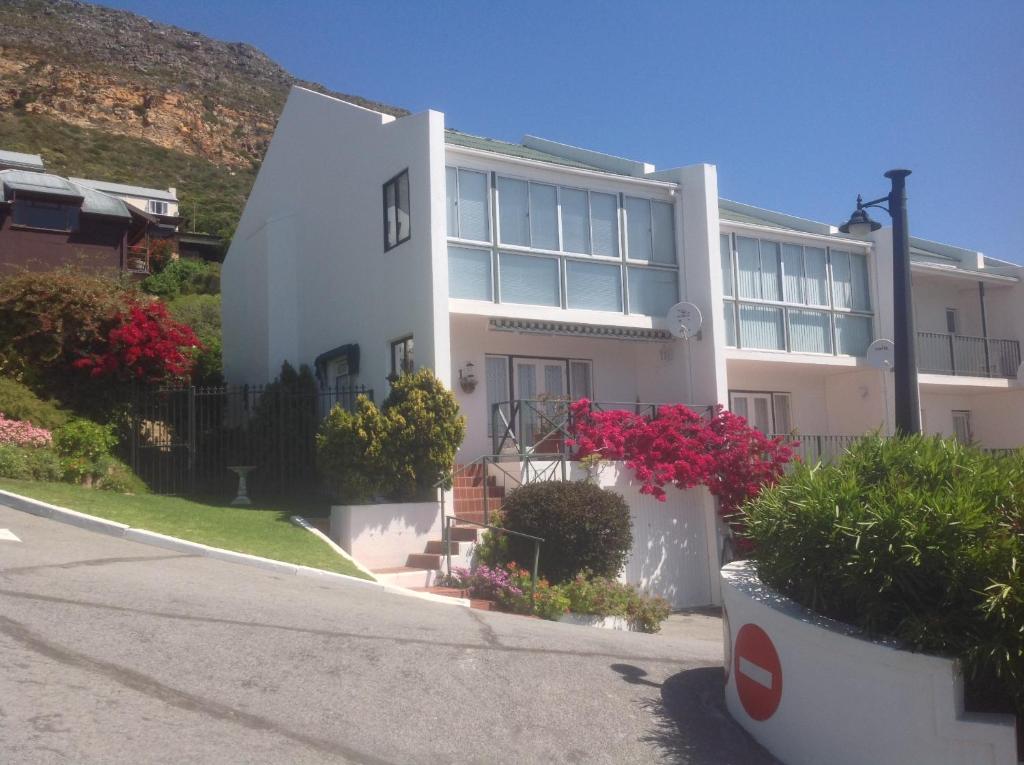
18, 402
918, 539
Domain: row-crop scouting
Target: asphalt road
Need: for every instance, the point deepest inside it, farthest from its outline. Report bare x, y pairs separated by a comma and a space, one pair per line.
117, 652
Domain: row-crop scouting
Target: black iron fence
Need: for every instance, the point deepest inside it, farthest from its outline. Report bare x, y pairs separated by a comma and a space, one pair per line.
949, 354
184, 440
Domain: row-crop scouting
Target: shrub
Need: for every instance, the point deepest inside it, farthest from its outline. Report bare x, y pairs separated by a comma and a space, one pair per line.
110, 474
18, 402
917, 539
14, 462
584, 527
202, 314
425, 431
84, 439
33, 463
20, 433
401, 450
602, 596
184, 276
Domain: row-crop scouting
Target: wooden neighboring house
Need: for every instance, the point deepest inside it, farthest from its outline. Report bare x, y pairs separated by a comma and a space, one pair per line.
47, 221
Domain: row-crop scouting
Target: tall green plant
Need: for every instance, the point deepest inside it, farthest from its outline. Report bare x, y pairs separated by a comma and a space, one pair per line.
918, 539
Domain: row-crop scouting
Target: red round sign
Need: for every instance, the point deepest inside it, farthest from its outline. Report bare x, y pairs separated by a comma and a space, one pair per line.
758, 672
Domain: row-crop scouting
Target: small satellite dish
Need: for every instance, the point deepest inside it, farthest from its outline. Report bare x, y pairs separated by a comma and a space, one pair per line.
683, 320
880, 354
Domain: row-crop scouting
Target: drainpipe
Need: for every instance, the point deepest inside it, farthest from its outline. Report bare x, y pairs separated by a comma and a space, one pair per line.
984, 328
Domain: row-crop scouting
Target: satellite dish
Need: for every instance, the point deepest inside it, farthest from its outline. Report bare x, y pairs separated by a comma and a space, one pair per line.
880, 354
683, 320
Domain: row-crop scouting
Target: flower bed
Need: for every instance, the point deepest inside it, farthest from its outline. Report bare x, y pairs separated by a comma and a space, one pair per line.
510, 589
20, 433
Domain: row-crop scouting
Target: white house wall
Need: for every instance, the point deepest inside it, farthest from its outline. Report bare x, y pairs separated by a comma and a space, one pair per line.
307, 267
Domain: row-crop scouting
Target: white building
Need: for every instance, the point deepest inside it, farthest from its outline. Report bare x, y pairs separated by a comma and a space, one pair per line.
370, 244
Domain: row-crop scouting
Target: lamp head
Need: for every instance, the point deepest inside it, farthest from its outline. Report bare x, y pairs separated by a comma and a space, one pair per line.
860, 223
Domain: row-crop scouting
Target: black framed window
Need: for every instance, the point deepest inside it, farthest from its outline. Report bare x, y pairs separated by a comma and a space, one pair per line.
402, 359
396, 210
37, 213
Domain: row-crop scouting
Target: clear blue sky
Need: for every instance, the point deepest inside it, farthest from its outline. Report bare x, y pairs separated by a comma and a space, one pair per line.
800, 104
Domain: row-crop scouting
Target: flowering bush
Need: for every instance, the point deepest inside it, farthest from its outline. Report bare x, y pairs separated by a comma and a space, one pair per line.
145, 344
486, 582
19, 433
681, 448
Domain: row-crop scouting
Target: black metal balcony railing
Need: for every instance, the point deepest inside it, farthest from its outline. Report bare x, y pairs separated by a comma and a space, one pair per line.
947, 354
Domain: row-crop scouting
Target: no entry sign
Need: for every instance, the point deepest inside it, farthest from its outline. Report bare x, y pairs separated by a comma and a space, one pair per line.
758, 672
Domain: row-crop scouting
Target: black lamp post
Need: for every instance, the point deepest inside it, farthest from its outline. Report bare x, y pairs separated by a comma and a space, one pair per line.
908, 405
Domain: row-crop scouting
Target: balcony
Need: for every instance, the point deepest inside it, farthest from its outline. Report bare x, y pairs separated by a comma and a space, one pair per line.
961, 355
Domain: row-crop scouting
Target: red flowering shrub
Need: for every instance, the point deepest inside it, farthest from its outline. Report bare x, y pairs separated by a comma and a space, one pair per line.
145, 344
682, 448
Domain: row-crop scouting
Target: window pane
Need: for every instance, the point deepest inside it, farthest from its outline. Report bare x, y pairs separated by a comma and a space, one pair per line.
497, 392
739, 406
853, 334
749, 267
730, 323
403, 207
473, 205
781, 406
528, 279
469, 273
761, 327
544, 216
652, 292
593, 285
793, 272
842, 291
725, 246
815, 280
451, 198
575, 221
512, 212
809, 332
664, 233
859, 282
762, 415
604, 223
391, 215
771, 288
638, 228
579, 379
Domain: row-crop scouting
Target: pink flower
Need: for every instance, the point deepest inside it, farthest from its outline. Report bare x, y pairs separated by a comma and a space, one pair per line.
21, 433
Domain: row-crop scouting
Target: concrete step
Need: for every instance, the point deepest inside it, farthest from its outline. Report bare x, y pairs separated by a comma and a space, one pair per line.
436, 547
430, 561
463, 533
477, 492
406, 576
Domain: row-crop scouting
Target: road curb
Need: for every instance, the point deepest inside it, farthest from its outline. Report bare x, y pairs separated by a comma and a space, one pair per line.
113, 528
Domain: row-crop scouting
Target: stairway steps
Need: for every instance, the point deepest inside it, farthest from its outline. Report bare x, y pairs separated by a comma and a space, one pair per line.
436, 547
429, 561
463, 533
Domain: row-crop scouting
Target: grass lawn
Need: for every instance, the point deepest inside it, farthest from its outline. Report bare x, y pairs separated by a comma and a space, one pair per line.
256, 531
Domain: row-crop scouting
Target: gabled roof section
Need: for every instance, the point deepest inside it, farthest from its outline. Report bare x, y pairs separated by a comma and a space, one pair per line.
92, 202
126, 189
16, 160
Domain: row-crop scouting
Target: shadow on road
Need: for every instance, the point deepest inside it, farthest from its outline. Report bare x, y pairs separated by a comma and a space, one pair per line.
692, 724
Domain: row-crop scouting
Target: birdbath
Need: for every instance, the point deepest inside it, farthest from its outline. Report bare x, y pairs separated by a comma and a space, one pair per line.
242, 500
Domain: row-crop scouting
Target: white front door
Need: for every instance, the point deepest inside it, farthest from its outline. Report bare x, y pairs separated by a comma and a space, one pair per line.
756, 408
540, 387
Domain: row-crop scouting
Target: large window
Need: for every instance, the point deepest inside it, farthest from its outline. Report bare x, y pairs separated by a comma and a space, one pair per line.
784, 296
559, 246
396, 210
37, 213
768, 411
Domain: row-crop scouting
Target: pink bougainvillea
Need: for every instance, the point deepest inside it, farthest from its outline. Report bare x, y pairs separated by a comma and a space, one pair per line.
679, 447
20, 433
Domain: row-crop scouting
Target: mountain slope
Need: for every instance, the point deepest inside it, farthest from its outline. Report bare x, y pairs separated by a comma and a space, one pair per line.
108, 94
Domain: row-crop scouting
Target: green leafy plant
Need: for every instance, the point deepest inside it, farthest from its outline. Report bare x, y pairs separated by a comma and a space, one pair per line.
918, 539
184, 276
84, 439
202, 313
19, 402
584, 528
348, 454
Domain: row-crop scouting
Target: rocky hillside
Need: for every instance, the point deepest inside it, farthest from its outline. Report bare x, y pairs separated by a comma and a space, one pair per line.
67, 65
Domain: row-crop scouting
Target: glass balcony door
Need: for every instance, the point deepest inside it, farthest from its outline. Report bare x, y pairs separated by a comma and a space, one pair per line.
540, 386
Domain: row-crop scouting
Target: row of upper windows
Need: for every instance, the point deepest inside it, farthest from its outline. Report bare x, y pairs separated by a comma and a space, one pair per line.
782, 272
554, 218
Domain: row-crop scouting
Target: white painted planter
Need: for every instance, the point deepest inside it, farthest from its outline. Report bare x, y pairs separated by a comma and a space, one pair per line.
590, 620
385, 535
830, 695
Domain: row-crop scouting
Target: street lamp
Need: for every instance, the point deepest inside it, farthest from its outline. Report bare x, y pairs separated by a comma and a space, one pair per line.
908, 406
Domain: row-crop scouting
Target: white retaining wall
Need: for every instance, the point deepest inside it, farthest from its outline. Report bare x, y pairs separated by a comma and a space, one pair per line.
829, 695
383, 536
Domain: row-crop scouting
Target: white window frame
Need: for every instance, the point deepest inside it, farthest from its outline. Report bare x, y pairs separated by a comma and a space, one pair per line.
488, 191
773, 398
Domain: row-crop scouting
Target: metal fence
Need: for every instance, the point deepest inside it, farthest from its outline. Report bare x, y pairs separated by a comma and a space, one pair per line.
827, 448
183, 440
963, 355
